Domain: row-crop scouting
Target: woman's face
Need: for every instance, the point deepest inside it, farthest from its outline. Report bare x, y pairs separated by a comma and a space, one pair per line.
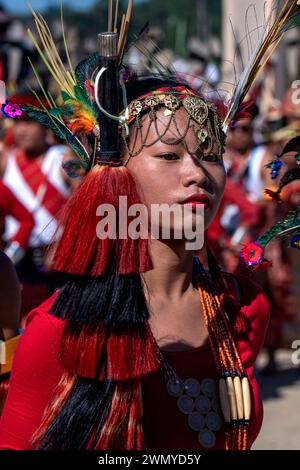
168, 174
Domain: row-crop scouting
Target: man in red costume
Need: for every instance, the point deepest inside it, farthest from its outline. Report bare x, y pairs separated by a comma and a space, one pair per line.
31, 169
11, 206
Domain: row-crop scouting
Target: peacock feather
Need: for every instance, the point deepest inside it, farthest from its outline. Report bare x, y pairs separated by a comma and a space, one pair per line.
60, 130
283, 229
85, 68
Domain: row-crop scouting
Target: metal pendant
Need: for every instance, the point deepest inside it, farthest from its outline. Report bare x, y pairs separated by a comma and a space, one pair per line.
196, 421
185, 404
199, 401
192, 387
175, 387
207, 438
196, 108
202, 404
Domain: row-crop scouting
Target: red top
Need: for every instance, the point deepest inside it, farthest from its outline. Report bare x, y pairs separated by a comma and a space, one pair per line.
36, 372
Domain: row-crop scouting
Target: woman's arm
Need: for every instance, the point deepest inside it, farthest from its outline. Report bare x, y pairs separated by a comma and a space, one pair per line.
256, 310
10, 299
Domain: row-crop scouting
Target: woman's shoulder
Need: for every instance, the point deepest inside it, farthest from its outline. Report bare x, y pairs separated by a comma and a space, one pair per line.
41, 315
40, 339
255, 307
251, 297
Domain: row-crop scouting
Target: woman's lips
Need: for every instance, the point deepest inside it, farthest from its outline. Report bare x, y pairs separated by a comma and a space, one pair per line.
195, 200
196, 204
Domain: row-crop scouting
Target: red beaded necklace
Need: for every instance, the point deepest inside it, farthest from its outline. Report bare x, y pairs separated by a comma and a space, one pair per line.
233, 387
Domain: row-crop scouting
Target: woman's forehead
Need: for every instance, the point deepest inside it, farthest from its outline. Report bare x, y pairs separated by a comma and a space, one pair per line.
180, 129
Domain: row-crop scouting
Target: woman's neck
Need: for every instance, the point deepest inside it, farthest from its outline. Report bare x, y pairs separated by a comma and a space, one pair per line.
172, 274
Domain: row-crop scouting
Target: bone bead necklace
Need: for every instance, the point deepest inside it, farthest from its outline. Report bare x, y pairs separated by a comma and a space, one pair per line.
209, 405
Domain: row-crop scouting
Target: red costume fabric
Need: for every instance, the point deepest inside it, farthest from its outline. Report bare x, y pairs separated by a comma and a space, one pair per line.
249, 215
9, 205
36, 372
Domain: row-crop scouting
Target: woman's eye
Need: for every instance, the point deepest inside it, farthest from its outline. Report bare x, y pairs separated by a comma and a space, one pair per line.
169, 156
212, 158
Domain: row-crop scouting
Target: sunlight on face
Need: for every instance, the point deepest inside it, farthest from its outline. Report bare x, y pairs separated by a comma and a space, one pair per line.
168, 173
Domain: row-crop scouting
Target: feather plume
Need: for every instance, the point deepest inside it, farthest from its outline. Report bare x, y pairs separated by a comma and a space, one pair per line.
271, 35
59, 129
283, 229
50, 55
144, 29
82, 120
151, 58
85, 68
124, 30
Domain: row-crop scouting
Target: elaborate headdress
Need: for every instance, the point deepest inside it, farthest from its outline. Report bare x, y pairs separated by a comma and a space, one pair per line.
103, 303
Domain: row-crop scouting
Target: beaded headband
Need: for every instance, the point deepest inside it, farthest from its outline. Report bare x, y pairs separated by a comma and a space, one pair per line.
203, 119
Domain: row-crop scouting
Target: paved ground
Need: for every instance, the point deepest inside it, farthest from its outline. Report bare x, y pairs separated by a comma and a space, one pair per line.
281, 397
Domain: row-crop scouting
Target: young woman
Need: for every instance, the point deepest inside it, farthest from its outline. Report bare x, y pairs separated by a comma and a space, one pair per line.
163, 358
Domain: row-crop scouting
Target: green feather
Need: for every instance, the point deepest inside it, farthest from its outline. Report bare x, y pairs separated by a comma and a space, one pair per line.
42, 118
80, 94
73, 168
85, 68
83, 98
282, 229
65, 96
59, 129
83, 72
66, 110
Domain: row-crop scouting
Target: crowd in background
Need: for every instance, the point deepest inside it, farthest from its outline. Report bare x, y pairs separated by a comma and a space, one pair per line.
33, 186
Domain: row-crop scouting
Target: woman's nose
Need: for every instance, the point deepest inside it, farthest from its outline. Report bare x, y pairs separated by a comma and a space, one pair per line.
194, 173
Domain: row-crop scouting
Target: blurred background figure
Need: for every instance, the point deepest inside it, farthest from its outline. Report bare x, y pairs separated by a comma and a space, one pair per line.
11, 206
15, 48
31, 168
247, 166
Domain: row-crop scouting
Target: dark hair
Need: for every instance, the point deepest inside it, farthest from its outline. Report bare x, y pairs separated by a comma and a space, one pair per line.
142, 85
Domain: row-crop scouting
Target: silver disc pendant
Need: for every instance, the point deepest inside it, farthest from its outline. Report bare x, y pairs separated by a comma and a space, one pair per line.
208, 386
175, 387
199, 401
196, 421
213, 421
202, 404
207, 438
192, 387
185, 404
